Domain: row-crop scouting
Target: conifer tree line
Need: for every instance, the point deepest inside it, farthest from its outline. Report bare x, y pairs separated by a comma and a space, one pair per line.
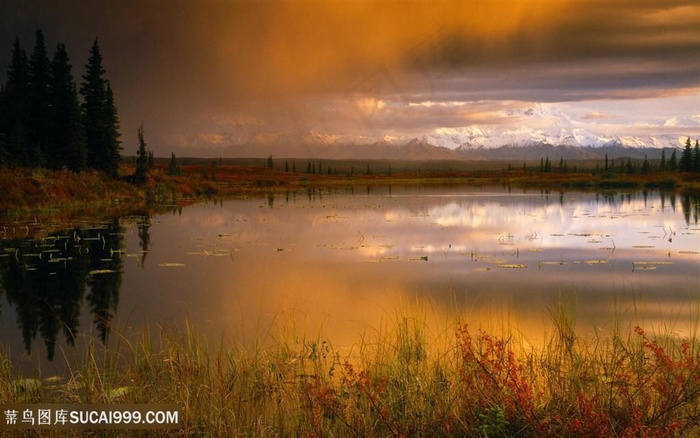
47, 121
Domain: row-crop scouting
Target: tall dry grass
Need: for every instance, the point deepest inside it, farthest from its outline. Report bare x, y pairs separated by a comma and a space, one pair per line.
402, 379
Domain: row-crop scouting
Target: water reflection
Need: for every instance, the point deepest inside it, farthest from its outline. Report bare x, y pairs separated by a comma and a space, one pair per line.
344, 258
47, 280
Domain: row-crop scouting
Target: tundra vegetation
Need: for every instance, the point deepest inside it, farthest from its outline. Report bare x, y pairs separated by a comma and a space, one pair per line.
405, 379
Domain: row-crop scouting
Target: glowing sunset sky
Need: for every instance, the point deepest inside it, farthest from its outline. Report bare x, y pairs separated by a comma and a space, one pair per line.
201, 74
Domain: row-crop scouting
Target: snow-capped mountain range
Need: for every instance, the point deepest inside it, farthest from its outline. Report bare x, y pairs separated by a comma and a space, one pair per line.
536, 127
546, 125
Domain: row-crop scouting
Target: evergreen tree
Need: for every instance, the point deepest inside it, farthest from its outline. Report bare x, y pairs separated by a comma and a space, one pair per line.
14, 106
686, 163
142, 161
113, 146
270, 163
662, 164
101, 119
39, 126
173, 167
696, 156
673, 162
67, 135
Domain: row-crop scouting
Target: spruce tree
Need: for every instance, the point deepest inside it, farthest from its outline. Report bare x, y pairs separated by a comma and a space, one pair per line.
696, 156
673, 162
113, 146
39, 126
101, 119
173, 167
67, 135
13, 107
662, 164
142, 159
686, 162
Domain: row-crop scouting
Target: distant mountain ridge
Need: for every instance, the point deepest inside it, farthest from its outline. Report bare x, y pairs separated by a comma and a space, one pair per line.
419, 149
545, 131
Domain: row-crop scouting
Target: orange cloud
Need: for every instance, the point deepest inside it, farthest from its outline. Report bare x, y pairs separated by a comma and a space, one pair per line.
290, 47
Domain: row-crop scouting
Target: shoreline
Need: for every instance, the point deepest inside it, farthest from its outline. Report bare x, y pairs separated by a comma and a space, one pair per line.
62, 193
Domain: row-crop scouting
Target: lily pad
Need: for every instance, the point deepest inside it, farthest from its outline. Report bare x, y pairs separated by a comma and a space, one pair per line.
102, 271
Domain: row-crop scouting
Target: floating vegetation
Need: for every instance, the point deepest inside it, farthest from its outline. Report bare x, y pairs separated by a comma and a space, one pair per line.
648, 266
652, 263
171, 265
102, 271
642, 246
555, 263
596, 262
513, 266
418, 259
688, 252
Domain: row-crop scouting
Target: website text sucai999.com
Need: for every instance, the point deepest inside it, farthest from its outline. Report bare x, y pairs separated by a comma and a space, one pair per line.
77, 416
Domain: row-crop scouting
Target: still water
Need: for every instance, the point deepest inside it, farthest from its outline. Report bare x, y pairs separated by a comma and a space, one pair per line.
345, 261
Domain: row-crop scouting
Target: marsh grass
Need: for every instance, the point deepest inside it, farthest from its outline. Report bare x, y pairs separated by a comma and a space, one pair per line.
405, 378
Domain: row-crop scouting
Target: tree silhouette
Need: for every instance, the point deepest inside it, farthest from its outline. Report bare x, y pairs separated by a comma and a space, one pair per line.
39, 130
67, 139
673, 162
143, 163
14, 108
173, 167
101, 119
686, 162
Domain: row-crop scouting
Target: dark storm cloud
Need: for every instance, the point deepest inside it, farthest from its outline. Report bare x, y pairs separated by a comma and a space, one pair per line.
177, 66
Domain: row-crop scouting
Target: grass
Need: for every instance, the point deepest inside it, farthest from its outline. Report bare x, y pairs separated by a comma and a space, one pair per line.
403, 379
29, 192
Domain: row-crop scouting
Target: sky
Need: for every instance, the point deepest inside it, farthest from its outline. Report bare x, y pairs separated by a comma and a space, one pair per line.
202, 75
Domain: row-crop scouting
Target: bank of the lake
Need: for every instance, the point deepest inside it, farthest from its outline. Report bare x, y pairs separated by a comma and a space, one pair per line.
28, 192
400, 380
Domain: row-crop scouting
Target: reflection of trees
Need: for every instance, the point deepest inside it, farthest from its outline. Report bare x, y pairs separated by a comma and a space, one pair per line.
45, 280
144, 237
690, 203
106, 277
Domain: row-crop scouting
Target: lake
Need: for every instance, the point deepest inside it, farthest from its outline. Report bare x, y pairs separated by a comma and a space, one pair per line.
345, 261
